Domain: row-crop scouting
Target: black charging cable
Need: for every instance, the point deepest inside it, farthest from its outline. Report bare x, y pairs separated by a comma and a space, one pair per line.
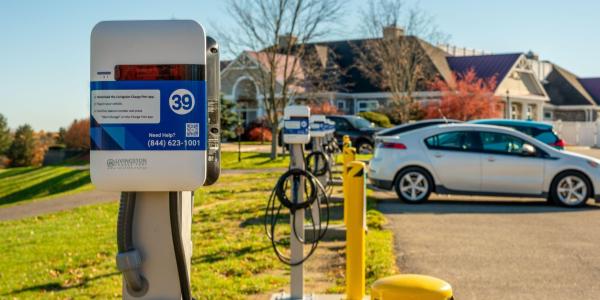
314, 193
319, 164
182, 271
129, 259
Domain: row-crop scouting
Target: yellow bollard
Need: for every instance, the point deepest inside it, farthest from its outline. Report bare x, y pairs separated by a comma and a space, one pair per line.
349, 156
411, 287
355, 196
346, 142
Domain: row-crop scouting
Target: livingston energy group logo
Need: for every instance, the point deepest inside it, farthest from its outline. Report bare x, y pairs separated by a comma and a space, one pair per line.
126, 163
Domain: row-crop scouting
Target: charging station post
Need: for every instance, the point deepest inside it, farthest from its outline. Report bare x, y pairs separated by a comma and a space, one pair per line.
296, 132
301, 193
152, 103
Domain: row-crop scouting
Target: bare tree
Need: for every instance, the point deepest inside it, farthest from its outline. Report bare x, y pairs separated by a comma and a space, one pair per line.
399, 62
278, 31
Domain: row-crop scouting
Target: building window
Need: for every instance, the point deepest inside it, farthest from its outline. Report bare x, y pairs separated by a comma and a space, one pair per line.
515, 111
367, 105
531, 112
341, 105
548, 115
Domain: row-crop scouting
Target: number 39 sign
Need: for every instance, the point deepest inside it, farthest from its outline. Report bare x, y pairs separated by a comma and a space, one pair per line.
181, 101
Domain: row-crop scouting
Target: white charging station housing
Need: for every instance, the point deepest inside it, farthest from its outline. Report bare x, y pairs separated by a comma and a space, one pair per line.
148, 107
318, 126
329, 126
296, 129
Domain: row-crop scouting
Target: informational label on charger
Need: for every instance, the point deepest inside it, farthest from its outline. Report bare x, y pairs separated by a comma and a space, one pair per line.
159, 115
296, 125
126, 106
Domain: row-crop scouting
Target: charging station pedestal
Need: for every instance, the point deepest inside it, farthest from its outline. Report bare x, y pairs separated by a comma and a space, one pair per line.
152, 237
296, 133
151, 112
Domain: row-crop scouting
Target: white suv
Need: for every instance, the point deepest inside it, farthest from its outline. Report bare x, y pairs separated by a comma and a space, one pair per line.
473, 159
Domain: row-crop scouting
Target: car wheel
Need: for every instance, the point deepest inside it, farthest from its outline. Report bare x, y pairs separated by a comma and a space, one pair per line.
413, 185
570, 189
364, 148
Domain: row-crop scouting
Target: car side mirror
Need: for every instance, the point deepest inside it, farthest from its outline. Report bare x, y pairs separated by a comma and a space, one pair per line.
528, 150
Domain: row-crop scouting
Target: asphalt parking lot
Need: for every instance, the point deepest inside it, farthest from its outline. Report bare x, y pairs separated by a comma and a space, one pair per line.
499, 248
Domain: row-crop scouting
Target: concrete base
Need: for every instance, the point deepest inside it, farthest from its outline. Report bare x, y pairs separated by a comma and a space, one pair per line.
284, 296
336, 232
336, 182
333, 199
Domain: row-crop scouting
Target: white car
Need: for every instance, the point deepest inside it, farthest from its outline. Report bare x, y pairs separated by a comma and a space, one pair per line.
471, 159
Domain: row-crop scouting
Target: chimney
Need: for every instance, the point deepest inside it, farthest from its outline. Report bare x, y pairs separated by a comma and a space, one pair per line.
532, 55
392, 32
285, 40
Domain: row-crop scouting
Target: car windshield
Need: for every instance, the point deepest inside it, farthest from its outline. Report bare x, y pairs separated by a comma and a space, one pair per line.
360, 122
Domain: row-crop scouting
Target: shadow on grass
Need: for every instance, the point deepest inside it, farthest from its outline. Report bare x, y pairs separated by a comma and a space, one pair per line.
64, 182
264, 158
56, 286
336, 213
219, 256
17, 172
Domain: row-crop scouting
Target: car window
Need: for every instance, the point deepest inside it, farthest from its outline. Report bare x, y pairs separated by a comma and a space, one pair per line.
547, 137
341, 124
524, 129
456, 140
361, 123
501, 143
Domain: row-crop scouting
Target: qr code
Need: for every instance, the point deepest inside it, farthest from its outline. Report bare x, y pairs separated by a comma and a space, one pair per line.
192, 130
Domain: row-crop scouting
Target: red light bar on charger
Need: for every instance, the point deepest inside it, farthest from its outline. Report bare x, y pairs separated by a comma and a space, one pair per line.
159, 72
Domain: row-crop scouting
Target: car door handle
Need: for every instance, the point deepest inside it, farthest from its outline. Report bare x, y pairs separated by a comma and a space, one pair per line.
491, 158
438, 155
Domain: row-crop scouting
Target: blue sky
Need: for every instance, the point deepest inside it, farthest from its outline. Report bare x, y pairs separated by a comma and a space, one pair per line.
44, 53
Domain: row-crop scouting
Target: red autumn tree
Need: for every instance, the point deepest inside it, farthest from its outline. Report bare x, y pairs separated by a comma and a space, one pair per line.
471, 98
78, 135
323, 108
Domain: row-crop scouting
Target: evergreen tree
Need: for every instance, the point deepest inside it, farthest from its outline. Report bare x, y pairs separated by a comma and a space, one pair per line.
228, 119
22, 149
5, 136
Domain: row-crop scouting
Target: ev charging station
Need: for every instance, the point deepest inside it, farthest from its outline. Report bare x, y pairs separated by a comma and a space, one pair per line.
305, 197
318, 132
154, 111
329, 142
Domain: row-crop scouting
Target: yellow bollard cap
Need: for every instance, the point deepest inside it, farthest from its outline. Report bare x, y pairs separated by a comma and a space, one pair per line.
411, 287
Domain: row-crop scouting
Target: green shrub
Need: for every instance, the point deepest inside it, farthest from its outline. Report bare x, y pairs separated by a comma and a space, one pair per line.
379, 119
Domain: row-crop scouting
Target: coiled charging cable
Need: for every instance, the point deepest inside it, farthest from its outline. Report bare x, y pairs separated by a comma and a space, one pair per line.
319, 165
314, 193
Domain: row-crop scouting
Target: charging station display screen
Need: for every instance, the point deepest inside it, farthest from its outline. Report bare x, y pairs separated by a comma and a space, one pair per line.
159, 72
150, 107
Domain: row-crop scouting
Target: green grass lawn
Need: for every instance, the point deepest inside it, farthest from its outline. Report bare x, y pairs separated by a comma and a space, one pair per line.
252, 160
256, 160
30, 183
70, 255
33, 183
